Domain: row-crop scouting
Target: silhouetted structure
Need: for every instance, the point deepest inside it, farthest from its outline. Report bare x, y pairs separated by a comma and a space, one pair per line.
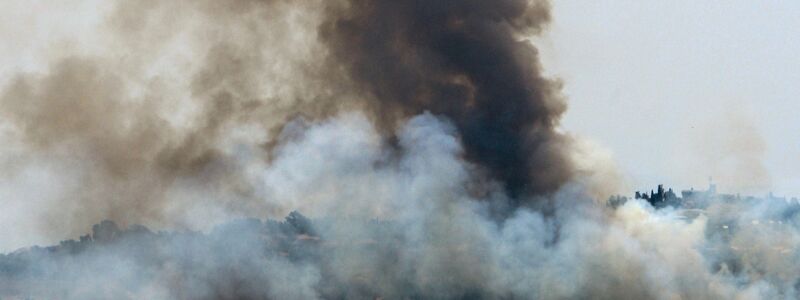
661, 198
780, 207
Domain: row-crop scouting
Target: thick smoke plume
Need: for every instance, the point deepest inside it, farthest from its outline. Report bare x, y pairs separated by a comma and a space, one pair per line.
411, 148
166, 101
468, 61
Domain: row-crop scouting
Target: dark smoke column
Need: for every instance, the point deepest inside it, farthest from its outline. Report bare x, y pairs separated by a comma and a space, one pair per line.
465, 60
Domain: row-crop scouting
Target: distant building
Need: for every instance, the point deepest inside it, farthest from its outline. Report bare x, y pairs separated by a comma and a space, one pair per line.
779, 207
660, 198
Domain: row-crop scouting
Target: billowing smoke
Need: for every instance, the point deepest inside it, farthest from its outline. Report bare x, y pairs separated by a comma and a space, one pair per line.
410, 150
468, 61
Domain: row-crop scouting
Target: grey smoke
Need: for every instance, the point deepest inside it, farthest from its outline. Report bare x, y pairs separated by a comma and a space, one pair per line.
465, 60
420, 138
433, 239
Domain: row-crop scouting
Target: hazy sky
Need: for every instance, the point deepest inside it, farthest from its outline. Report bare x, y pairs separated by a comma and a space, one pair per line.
684, 90
678, 91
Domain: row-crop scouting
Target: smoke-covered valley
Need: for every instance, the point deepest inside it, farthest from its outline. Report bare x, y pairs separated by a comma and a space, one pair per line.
346, 149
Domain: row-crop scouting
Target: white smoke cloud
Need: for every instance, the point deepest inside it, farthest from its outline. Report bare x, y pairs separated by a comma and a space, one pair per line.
183, 127
442, 242
582, 251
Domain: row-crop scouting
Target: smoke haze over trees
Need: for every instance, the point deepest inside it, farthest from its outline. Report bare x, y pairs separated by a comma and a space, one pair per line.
419, 139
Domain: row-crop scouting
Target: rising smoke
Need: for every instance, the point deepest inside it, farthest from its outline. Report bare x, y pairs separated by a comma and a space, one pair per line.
466, 60
420, 138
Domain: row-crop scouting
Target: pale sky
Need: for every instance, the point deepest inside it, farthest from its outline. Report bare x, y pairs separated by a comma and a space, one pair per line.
683, 90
